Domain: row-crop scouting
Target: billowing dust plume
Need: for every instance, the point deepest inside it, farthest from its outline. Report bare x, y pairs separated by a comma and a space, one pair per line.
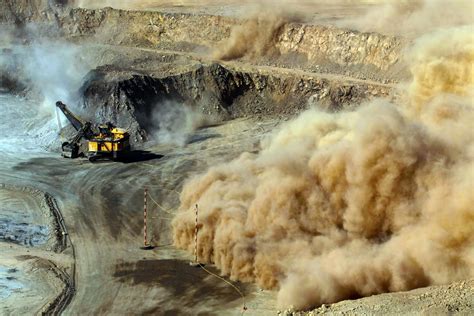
173, 122
256, 36
413, 17
52, 69
351, 204
36, 64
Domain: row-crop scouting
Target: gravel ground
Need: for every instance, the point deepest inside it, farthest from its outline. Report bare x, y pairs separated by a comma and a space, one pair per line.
456, 298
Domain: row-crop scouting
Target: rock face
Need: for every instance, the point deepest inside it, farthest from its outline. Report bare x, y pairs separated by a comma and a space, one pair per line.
129, 98
322, 49
319, 42
362, 54
20, 12
317, 48
147, 29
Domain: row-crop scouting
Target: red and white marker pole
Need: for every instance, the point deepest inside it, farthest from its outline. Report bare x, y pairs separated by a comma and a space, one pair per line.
196, 230
145, 226
146, 246
196, 236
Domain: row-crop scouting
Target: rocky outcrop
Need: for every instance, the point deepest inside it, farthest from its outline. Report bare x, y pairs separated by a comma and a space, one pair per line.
129, 91
147, 29
340, 46
20, 12
350, 52
308, 47
324, 49
129, 97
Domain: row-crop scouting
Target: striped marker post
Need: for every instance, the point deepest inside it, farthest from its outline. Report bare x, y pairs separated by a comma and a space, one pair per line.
196, 230
146, 246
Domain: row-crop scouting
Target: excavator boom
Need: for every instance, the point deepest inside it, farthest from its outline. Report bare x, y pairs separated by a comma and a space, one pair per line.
76, 123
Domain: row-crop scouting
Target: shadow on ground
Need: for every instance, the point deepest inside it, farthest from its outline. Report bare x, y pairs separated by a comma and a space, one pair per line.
190, 285
201, 137
139, 156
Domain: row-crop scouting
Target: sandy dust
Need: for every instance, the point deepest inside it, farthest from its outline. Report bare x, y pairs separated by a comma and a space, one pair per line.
351, 204
256, 37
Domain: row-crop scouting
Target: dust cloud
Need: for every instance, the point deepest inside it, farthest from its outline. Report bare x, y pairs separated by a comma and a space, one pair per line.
52, 69
256, 36
56, 70
350, 204
417, 16
47, 70
173, 122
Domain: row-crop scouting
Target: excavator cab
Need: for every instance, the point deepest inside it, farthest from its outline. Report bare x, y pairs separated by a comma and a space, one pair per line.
111, 142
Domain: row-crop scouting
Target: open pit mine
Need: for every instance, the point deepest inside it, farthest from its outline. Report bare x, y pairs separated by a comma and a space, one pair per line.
220, 157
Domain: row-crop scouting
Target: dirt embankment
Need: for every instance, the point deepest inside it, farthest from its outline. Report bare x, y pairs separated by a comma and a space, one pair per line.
318, 48
22, 12
329, 49
309, 47
130, 97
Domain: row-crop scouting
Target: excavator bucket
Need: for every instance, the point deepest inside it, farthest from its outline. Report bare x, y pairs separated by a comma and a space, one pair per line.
70, 150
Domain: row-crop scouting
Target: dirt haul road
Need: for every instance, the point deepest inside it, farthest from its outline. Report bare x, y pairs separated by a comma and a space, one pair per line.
102, 205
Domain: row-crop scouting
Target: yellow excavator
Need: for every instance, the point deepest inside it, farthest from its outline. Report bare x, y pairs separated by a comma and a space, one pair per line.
110, 142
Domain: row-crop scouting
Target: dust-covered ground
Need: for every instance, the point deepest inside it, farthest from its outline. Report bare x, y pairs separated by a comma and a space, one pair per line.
331, 165
102, 203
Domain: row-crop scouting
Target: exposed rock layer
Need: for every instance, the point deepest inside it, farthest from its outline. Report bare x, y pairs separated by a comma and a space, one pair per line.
317, 48
129, 97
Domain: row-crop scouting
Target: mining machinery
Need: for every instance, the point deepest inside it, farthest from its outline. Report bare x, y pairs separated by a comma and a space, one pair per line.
104, 142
